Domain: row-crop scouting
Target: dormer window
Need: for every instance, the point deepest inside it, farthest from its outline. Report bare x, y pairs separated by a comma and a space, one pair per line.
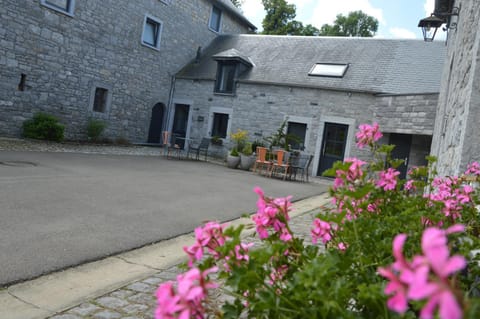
231, 64
225, 77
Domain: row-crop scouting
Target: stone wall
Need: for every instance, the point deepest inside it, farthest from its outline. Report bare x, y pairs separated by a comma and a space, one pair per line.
456, 140
63, 58
260, 109
408, 114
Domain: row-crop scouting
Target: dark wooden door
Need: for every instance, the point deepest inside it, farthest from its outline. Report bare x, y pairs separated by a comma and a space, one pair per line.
333, 145
180, 123
403, 143
156, 122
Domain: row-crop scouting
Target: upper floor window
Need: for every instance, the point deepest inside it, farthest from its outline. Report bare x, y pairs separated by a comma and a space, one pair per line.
225, 77
152, 30
215, 19
64, 6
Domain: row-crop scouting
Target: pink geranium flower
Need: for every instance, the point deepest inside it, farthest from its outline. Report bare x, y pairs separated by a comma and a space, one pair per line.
388, 179
272, 214
321, 230
368, 134
426, 276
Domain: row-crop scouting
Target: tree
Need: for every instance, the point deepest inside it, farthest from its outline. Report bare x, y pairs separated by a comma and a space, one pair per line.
356, 24
279, 19
237, 3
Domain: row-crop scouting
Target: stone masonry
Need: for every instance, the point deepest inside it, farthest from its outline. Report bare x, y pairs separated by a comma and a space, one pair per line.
260, 109
63, 58
456, 140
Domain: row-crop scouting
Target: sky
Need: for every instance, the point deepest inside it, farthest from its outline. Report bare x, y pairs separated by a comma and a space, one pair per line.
397, 18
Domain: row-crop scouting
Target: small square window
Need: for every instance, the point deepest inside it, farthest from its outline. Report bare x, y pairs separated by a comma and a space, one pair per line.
100, 100
215, 19
152, 29
64, 6
220, 125
225, 82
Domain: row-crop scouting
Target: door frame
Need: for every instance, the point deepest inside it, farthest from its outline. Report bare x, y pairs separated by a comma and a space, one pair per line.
172, 114
318, 146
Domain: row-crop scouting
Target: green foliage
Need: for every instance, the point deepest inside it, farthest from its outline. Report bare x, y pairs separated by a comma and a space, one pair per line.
279, 20
43, 127
237, 3
280, 138
95, 129
234, 152
247, 149
355, 24
335, 283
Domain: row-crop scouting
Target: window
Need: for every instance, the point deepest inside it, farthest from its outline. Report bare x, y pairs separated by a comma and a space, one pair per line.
64, 6
219, 121
215, 19
152, 29
225, 77
329, 69
297, 131
100, 100
220, 125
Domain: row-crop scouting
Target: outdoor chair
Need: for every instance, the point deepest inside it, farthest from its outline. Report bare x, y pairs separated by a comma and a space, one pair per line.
301, 164
261, 160
280, 163
173, 148
202, 147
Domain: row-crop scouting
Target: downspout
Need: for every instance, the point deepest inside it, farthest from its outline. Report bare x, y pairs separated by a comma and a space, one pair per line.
170, 103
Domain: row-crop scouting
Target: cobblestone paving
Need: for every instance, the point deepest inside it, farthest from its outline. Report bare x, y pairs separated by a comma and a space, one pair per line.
137, 300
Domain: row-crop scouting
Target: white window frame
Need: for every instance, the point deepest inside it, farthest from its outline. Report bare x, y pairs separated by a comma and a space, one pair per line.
159, 34
108, 102
219, 20
222, 110
70, 11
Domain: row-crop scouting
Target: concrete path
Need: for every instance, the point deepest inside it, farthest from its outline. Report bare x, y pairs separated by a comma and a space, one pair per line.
64, 209
121, 286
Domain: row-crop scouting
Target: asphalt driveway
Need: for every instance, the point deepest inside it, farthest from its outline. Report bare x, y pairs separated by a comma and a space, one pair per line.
63, 209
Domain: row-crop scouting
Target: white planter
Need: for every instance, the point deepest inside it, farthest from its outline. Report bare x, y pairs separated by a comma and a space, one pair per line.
233, 161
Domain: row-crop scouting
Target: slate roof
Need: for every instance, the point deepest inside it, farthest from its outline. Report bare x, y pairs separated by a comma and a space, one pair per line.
378, 66
228, 5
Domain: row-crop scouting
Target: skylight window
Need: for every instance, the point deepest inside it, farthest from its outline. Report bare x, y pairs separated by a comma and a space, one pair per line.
329, 69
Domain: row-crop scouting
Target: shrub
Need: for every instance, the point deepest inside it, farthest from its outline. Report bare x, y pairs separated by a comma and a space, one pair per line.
247, 149
43, 127
359, 273
95, 129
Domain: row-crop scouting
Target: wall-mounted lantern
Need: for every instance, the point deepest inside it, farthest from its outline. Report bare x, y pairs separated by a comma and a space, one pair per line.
443, 13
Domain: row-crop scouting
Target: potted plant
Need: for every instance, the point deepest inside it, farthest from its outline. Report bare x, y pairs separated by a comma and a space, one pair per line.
239, 138
246, 158
233, 158
216, 140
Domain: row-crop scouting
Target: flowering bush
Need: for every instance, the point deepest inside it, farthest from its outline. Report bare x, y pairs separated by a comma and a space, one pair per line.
240, 137
351, 269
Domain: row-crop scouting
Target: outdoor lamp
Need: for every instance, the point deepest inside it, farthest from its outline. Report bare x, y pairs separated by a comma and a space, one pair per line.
430, 26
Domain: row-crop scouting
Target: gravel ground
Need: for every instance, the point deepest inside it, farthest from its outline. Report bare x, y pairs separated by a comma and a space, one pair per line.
15, 144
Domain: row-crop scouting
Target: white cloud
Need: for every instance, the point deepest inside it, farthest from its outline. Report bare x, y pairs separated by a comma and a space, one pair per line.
401, 33
429, 5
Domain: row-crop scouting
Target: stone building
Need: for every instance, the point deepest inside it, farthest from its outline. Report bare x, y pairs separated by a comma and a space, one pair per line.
112, 60
456, 141
323, 87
